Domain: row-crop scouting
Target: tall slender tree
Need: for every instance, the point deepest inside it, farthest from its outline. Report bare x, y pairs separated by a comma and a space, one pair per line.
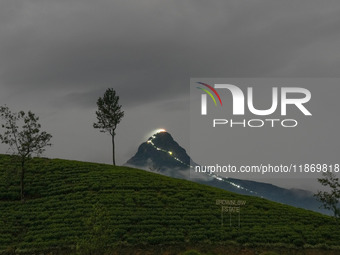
109, 115
22, 132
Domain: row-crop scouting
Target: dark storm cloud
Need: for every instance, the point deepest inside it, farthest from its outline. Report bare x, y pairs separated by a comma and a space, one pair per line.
148, 50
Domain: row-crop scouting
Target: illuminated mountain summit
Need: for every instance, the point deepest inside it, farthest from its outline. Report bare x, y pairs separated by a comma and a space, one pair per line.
160, 152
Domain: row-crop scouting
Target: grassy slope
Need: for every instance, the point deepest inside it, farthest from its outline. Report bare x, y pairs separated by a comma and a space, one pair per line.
141, 208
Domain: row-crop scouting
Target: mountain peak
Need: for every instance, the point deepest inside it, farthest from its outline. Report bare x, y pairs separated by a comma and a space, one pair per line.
160, 152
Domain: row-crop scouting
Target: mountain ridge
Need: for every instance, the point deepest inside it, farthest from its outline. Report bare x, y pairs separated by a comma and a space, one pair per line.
161, 153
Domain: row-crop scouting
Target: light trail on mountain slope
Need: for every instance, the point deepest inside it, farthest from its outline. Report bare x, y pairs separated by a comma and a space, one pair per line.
217, 177
170, 153
224, 179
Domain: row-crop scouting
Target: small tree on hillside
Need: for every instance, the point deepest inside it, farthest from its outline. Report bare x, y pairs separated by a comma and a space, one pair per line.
330, 199
24, 140
109, 115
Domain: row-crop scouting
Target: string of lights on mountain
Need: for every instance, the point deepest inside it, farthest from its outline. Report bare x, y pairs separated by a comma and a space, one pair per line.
171, 154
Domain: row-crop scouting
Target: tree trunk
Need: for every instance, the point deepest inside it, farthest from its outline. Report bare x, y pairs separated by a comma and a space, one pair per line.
113, 151
22, 180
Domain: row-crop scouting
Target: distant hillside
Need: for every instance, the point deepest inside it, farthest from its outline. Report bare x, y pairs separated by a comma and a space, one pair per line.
77, 206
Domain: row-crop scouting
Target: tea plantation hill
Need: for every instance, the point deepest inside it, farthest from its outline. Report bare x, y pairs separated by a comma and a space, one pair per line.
76, 206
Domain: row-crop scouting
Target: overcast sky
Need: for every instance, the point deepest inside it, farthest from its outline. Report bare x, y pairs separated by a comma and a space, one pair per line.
58, 57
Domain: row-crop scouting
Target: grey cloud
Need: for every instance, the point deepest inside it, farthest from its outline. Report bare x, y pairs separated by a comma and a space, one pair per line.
155, 48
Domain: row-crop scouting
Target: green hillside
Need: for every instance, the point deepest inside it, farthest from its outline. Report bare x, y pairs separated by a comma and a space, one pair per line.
75, 207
